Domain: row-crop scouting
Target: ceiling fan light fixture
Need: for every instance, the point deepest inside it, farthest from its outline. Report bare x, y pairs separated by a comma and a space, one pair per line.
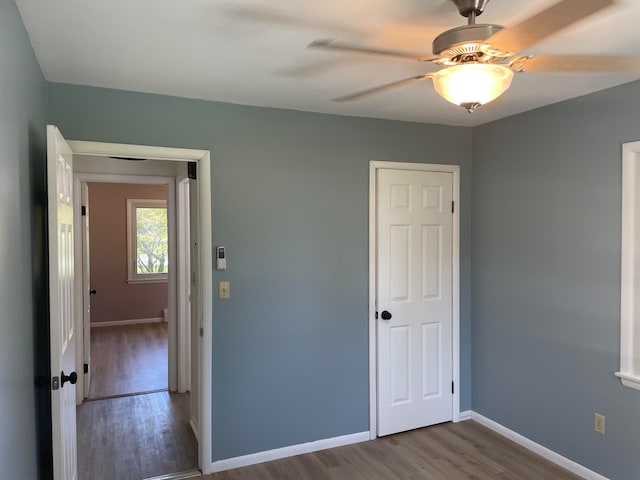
473, 84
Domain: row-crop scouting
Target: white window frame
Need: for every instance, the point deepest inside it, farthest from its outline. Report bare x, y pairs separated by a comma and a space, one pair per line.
132, 275
629, 373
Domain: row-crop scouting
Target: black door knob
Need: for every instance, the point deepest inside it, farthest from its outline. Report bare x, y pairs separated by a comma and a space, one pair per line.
92, 292
386, 315
72, 378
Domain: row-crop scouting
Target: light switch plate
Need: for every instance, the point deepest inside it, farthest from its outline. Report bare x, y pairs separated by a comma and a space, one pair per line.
224, 290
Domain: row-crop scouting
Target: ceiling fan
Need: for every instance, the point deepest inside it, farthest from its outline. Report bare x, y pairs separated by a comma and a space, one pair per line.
477, 61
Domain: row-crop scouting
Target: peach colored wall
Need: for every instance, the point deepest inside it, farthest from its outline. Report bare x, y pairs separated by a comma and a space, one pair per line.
115, 299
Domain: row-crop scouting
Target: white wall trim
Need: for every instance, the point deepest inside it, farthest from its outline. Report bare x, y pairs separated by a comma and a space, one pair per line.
132, 239
195, 428
290, 451
464, 416
269, 455
373, 380
373, 306
628, 380
205, 264
545, 452
629, 373
132, 321
136, 151
205, 312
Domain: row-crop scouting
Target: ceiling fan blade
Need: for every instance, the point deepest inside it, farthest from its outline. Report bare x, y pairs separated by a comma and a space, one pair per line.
583, 63
346, 47
545, 23
381, 88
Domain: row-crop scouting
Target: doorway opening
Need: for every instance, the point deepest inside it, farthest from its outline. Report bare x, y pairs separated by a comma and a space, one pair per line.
179, 410
125, 224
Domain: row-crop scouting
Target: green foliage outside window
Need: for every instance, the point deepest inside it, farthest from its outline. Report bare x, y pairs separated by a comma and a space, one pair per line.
152, 241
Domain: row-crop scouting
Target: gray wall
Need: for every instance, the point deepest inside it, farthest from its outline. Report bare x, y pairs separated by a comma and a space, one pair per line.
546, 278
22, 122
290, 202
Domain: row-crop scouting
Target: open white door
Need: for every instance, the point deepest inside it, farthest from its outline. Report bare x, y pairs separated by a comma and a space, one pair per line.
184, 286
61, 304
415, 271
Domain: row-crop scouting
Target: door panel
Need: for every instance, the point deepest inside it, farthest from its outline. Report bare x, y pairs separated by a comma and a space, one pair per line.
61, 298
400, 268
400, 364
430, 265
431, 340
414, 284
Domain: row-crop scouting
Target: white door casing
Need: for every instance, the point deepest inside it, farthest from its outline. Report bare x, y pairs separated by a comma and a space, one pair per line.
201, 236
61, 303
86, 289
416, 282
195, 303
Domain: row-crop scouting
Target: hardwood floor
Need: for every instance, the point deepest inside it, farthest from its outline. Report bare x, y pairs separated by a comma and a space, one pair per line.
128, 359
451, 451
135, 437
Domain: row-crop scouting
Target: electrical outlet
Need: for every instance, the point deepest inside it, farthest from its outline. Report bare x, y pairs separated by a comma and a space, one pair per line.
598, 423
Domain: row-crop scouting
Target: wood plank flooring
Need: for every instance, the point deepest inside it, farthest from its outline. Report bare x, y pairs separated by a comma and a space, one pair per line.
128, 359
451, 451
135, 437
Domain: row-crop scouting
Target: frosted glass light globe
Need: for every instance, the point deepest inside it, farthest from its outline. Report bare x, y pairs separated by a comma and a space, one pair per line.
473, 84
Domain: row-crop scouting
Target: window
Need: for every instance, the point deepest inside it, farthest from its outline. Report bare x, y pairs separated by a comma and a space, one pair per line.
630, 268
147, 241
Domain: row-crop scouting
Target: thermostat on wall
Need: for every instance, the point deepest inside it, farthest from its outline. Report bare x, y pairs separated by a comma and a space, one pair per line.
221, 258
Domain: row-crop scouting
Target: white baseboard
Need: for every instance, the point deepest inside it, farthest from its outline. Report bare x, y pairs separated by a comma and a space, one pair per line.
284, 452
537, 448
195, 427
309, 447
178, 475
134, 321
466, 415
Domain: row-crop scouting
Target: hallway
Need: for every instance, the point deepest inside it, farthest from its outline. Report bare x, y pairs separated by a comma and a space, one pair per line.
128, 359
135, 437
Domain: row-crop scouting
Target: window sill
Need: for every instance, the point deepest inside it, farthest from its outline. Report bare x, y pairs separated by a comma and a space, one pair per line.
629, 380
147, 280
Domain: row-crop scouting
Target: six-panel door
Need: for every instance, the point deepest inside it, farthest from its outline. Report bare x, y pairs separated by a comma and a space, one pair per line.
414, 275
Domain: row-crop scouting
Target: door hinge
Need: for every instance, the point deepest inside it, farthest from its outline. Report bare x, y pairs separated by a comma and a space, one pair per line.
192, 170
453, 389
453, 207
83, 210
201, 332
376, 315
85, 368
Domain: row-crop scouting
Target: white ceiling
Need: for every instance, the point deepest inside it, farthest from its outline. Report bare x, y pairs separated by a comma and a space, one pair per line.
254, 52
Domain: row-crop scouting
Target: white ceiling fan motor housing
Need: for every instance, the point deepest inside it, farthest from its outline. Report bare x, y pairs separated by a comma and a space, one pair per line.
463, 41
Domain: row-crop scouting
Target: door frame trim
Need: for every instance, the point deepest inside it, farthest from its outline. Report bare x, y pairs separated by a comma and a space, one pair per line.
205, 262
374, 166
